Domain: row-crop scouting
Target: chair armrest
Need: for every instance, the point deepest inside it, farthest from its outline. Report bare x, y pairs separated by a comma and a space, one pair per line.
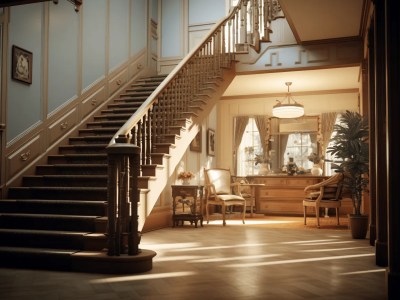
236, 188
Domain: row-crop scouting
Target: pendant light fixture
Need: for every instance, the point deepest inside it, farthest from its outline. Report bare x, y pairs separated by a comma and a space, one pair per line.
291, 109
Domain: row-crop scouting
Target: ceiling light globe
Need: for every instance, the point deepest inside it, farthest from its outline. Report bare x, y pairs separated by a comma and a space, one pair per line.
286, 111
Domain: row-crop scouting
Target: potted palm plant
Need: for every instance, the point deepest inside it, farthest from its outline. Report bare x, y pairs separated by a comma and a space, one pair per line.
351, 152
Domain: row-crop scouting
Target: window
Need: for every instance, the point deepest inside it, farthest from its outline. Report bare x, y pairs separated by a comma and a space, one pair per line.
249, 147
328, 156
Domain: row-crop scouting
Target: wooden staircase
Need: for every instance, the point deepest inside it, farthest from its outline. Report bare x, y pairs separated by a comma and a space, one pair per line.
58, 216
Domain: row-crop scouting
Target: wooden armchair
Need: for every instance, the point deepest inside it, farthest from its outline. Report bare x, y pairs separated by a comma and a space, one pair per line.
327, 194
221, 192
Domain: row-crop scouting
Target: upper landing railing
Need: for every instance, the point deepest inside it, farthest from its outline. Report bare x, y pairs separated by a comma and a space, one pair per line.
169, 103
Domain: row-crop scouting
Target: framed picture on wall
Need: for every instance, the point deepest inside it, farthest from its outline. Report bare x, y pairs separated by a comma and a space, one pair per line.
21, 65
210, 142
195, 145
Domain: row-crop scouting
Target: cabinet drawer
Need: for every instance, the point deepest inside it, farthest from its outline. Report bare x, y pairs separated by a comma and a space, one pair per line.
277, 207
281, 193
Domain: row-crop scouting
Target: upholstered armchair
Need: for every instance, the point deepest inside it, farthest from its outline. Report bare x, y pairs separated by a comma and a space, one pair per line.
220, 191
327, 194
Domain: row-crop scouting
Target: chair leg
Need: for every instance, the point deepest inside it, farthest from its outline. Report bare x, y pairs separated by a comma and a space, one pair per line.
305, 214
244, 212
337, 215
223, 215
208, 220
317, 215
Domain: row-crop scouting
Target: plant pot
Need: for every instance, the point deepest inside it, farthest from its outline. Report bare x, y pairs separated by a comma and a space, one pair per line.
358, 226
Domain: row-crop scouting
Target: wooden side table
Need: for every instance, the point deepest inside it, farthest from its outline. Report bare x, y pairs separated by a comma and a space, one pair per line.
187, 204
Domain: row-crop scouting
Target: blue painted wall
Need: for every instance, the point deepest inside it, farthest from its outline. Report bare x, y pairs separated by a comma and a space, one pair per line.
119, 33
94, 41
24, 106
63, 55
80, 49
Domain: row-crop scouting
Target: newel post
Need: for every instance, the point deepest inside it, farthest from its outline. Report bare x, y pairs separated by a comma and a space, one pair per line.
123, 198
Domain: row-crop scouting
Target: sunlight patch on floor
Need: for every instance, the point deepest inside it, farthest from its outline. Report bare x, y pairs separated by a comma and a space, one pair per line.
251, 222
364, 272
141, 277
235, 258
293, 261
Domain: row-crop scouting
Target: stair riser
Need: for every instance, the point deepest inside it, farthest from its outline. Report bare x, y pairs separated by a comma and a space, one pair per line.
98, 132
89, 159
59, 194
87, 170
36, 261
91, 140
38, 223
82, 150
38, 207
62, 182
42, 240
113, 117
113, 124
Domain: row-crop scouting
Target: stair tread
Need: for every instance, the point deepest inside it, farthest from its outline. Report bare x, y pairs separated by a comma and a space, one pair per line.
67, 176
43, 232
37, 250
62, 187
83, 202
49, 216
75, 165
79, 155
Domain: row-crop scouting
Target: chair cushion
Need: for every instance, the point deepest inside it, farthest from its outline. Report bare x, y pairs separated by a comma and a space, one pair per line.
230, 197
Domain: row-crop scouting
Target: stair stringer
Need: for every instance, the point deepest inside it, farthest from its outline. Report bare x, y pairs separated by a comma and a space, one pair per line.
158, 183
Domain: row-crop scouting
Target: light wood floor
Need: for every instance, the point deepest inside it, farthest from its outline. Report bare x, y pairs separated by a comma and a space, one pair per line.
265, 259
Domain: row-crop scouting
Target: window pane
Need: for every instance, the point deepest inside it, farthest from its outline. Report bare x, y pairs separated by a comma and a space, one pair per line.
249, 147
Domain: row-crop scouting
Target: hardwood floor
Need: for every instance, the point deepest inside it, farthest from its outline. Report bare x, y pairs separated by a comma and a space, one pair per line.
268, 258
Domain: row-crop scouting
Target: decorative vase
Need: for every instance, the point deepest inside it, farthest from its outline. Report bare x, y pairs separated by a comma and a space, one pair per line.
316, 170
185, 181
264, 169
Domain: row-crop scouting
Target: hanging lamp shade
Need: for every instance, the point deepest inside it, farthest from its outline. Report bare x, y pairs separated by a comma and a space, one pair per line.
288, 109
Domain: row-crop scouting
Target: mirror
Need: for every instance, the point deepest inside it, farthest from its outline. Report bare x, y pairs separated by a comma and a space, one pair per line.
282, 138
293, 138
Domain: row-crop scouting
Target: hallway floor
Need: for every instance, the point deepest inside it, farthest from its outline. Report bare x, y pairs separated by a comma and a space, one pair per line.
264, 259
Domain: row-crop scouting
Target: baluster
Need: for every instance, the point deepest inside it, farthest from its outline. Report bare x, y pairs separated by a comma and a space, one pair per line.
148, 137
139, 140
267, 19
134, 234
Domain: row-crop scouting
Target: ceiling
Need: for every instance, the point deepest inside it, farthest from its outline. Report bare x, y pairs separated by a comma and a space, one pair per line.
312, 21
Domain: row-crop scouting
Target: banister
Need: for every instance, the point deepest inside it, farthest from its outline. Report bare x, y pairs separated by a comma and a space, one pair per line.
136, 117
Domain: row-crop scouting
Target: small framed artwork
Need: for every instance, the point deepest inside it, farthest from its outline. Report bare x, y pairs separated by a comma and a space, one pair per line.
210, 142
21, 69
195, 145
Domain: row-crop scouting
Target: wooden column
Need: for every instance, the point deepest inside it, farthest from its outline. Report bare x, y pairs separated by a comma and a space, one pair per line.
393, 126
372, 136
380, 140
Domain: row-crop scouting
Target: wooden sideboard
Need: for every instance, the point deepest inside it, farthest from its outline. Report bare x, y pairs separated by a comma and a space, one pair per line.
283, 194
